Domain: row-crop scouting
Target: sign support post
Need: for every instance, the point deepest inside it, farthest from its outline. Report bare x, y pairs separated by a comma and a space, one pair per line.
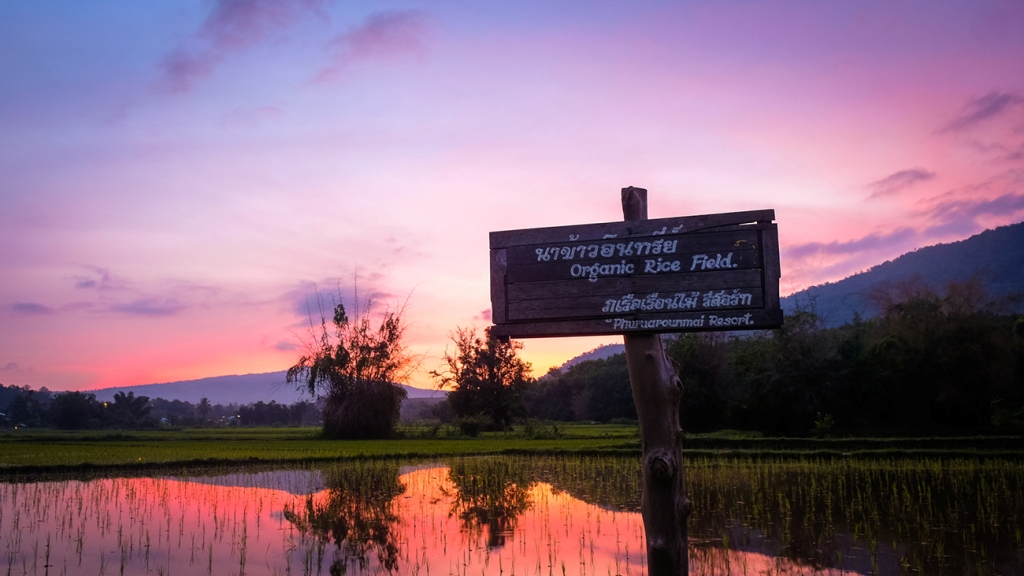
657, 392
640, 278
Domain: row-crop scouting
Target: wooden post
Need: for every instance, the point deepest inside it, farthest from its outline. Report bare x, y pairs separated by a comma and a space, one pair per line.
657, 391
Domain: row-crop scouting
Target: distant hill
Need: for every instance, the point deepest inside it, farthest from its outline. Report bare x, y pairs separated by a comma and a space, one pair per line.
996, 256
238, 389
600, 353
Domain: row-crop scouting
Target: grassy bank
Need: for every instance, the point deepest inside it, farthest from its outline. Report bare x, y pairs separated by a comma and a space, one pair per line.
23, 451
47, 450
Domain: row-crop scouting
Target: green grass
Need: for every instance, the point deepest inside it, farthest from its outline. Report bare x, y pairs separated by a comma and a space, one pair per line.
47, 449
27, 451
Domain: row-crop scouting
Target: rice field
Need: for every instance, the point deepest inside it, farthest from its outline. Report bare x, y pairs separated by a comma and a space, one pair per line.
46, 451
521, 515
50, 450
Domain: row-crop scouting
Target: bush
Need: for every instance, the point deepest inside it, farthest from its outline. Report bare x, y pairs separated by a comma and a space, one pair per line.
487, 378
823, 426
356, 368
473, 425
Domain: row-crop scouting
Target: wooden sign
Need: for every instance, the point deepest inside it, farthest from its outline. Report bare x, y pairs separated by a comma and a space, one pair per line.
693, 273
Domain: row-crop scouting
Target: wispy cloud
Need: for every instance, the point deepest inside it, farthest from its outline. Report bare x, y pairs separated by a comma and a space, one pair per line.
232, 26
384, 36
286, 346
899, 181
980, 109
149, 307
9, 367
310, 299
99, 279
967, 210
30, 309
1015, 155
875, 241
37, 309
239, 24
254, 116
182, 68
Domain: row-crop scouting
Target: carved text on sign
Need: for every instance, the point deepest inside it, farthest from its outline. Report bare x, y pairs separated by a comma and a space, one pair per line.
629, 303
721, 299
706, 320
708, 263
607, 250
679, 301
595, 271
689, 273
659, 266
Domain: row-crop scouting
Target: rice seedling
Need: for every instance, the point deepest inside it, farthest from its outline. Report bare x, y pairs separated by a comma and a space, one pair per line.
568, 514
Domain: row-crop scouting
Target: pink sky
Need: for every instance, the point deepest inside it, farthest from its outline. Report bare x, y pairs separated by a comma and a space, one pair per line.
176, 176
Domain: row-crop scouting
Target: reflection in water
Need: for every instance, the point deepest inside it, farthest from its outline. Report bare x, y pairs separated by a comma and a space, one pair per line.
145, 526
489, 493
357, 513
523, 516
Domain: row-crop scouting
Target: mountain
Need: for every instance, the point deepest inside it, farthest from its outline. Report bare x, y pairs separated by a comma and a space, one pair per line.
237, 389
600, 353
995, 256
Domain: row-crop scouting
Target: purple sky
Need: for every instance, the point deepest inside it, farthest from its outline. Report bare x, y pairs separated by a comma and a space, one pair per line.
175, 176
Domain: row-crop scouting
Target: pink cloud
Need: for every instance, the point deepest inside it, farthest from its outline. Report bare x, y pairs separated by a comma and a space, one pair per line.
233, 26
385, 36
239, 24
285, 346
150, 307
980, 109
98, 278
969, 210
899, 181
30, 309
870, 242
182, 68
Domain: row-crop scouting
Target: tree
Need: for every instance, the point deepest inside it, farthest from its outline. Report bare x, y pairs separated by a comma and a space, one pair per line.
355, 366
944, 359
28, 408
705, 355
486, 377
591, 390
75, 410
203, 408
127, 410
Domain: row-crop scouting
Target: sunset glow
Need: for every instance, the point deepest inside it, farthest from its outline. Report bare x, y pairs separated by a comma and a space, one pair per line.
178, 179
245, 523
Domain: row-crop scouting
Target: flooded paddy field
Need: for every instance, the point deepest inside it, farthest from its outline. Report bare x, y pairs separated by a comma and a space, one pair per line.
520, 515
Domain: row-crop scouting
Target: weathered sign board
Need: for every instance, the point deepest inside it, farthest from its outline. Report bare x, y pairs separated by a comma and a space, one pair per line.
686, 274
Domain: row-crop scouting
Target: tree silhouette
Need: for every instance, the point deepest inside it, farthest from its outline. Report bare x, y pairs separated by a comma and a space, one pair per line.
486, 377
75, 410
356, 365
491, 495
127, 410
357, 513
203, 408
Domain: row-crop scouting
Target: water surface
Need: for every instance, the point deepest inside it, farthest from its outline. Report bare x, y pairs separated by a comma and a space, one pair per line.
520, 515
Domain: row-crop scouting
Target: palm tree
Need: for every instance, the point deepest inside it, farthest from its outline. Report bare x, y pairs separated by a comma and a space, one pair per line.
203, 409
